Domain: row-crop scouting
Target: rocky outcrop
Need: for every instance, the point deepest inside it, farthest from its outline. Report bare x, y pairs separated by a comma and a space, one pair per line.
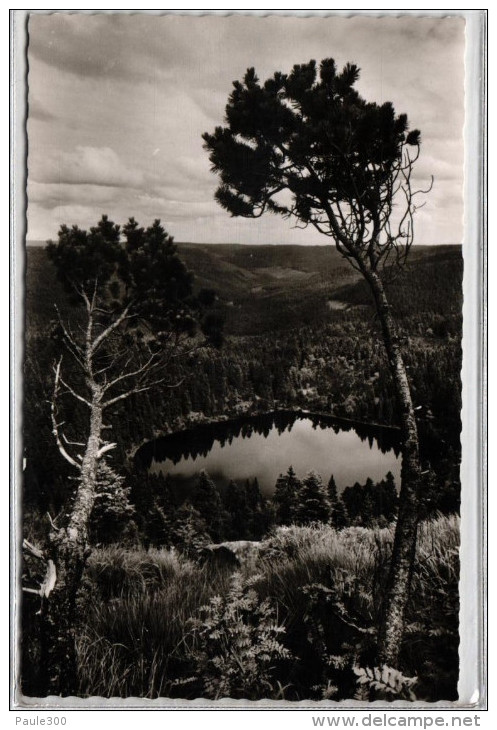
231, 554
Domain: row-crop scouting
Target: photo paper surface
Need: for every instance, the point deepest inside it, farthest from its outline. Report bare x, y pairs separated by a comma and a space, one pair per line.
243, 360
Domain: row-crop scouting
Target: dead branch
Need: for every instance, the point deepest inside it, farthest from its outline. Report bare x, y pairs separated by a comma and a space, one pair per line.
108, 330
72, 443
55, 425
48, 583
73, 392
147, 366
131, 392
104, 449
33, 550
69, 341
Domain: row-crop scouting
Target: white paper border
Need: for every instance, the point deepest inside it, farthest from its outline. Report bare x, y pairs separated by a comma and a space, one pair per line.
472, 681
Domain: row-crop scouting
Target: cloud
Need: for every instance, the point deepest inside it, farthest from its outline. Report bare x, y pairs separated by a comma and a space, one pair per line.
54, 195
128, 97
86, 165
102, 46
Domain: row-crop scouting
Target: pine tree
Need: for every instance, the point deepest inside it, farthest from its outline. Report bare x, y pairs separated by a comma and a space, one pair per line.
260, 518
207, 501
339, 517
152, 497
332, 490
285, 497
388, 497
112, 514
189, 531
238, 508
368, 507
346, 166
313, 502
352, 498
122, 283
254, 496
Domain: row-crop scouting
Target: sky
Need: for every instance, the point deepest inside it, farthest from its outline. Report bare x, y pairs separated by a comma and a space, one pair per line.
118, 104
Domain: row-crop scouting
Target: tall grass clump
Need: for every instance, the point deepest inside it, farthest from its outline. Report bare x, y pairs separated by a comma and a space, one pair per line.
431, 641
301, 556
137, 605
115, 571
329, 586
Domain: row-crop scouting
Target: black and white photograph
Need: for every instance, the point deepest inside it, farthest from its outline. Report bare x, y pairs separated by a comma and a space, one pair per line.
242, 358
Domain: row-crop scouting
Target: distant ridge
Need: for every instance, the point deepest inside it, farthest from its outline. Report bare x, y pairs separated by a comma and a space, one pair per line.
42, 242
264, 288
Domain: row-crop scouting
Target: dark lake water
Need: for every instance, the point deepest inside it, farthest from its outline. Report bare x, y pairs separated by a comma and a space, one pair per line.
265, 446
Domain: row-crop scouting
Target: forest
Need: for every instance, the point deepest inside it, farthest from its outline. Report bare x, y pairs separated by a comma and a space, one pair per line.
320, 359
299, 581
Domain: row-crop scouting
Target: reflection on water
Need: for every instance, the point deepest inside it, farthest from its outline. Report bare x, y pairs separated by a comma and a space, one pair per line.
266, 445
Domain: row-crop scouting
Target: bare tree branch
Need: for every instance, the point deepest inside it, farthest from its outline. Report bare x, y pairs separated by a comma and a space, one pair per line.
146, 367
104, 449
134, 391
55, 425
69, 341
111, 328
73, 392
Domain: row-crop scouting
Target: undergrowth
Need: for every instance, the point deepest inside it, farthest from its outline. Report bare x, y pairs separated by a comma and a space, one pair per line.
299, 624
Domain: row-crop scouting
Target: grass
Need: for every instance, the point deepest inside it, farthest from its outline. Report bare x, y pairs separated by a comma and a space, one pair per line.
134, 640
138, 610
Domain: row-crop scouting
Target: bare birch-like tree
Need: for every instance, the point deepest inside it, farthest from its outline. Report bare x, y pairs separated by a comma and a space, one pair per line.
134, 311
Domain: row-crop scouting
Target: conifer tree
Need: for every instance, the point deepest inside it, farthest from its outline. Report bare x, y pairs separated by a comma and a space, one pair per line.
353, 498
238, 508
339, 517
313, 503
207, 501
260, 518
113, 514
189, 531
307, 145
387, 497
332, 490
368, 507
285, 497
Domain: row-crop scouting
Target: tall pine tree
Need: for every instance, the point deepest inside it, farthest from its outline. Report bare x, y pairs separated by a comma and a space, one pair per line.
306, 144
239, 510
313, 502
207, 501
285, 497
339, 517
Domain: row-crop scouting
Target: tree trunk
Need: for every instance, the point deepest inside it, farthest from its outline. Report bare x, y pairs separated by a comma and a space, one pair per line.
404, 548
58, 628
70, 550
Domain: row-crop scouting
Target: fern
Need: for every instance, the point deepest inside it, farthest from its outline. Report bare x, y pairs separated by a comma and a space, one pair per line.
383, 683
237, 640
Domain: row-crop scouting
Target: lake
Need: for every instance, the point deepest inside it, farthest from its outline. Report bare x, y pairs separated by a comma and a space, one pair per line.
264, 446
